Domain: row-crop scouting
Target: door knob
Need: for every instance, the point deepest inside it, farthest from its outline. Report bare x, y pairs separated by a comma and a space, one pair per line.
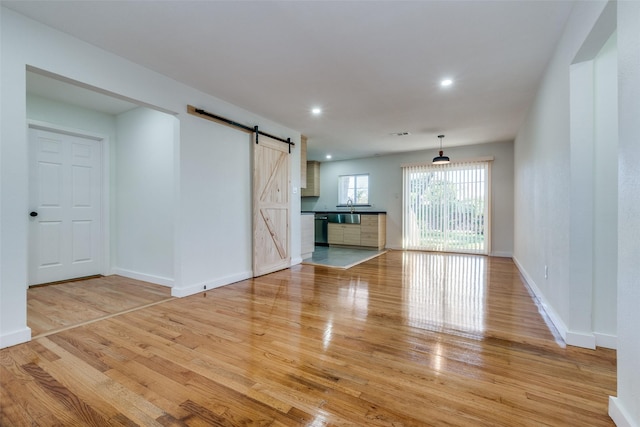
33, 214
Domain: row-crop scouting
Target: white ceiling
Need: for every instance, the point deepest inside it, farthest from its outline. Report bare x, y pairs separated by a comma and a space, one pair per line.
373, 66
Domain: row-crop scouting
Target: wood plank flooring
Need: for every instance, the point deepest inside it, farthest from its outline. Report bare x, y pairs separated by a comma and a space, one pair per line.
55, 307
405, 339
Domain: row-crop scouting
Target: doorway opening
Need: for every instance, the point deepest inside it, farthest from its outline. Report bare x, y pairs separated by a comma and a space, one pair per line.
131, 174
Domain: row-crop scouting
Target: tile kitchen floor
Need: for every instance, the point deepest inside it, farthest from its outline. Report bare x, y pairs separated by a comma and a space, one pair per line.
341, 257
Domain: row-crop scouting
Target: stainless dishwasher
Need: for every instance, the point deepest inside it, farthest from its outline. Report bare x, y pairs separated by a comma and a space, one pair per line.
322, 229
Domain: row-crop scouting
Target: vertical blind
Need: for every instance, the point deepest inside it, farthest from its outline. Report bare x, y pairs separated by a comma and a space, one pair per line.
446, 207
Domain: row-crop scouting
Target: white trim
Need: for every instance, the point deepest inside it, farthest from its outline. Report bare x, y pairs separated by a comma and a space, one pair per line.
606, 340
106, 205
16, 337
158, 280
53, 127
200, 287
97, 89
106, 188
581, 339
177, 206
470, 160
578, 339
619, 413
489, 208
555, 319
298, 260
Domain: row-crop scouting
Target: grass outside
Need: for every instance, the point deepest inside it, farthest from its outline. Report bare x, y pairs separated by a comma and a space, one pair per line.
452, 240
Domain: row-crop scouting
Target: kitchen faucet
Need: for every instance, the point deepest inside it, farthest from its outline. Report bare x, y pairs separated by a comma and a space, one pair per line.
350, 205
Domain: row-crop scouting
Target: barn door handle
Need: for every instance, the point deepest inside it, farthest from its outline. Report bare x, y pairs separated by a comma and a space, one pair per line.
33, 214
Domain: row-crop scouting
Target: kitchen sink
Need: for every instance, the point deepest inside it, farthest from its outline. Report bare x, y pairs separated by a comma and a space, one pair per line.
344, 218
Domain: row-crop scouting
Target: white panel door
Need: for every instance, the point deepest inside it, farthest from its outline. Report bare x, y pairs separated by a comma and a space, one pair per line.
65, 235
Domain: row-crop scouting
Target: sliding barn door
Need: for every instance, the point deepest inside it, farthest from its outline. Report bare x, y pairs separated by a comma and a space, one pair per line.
271, 206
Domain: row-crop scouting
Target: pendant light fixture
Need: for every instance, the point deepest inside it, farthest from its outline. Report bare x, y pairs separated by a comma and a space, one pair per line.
440, 159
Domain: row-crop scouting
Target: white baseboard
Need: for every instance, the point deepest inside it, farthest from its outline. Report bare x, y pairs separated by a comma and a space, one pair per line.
581, 339
606, 341
15, 337
210, 284
298, 260
555, 319
158, 280
578, 339
619, 414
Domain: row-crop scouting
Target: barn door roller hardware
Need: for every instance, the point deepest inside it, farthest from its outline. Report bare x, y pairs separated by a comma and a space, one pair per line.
200, 112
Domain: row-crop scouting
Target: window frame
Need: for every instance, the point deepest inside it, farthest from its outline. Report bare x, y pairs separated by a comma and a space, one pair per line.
412, 234
343, 203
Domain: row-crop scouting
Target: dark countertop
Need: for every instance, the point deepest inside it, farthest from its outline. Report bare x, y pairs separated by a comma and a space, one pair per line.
346, 211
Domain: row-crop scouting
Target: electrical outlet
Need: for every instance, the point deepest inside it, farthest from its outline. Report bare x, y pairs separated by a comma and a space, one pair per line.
546, 272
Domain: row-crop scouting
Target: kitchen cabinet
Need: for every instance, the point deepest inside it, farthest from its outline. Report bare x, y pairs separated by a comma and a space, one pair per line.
303, 161
373, 230
307, 245
335, 234
351, 234
313, 180
344, 234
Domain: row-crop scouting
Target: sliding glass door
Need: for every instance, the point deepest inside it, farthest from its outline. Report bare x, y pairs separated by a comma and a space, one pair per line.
446, 207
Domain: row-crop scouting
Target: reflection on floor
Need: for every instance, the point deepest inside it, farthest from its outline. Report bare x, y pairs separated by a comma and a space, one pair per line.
341, 257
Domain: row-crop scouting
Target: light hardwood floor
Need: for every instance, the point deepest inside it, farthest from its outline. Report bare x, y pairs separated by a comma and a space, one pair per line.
59, 306
405, 339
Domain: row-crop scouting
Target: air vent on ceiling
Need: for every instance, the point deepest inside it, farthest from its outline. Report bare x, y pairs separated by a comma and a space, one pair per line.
400, 134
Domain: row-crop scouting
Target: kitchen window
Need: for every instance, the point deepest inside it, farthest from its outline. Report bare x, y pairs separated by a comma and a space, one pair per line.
354, 188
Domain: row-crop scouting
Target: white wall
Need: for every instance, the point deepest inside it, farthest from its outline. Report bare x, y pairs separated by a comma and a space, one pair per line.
543, 193
215, 185
385, 188
70, 116
625, 409
142, 182
27, 43
144, 193
543, 188
13, 198
593, 189
605, 215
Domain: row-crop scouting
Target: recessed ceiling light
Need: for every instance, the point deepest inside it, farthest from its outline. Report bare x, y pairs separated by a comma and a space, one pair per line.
446, 82
316, 111
328, 156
